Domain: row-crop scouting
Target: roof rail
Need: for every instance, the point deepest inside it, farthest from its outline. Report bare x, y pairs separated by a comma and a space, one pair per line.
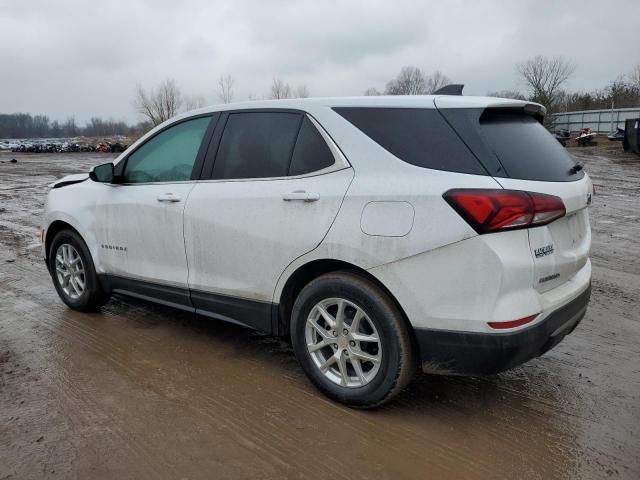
452, 89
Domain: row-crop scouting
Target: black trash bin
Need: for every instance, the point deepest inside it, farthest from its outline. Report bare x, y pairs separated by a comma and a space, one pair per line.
631, 141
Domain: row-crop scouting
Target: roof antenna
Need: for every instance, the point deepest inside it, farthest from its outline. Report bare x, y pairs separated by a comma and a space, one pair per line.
452, 89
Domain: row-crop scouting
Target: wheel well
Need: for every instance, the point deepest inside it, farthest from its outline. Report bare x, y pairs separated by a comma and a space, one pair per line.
51, 233
306, 273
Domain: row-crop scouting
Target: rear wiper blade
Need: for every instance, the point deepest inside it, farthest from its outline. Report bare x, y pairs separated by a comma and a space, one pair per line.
576, 168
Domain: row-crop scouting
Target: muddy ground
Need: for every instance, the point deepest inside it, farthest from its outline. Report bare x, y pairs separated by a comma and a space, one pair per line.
143, 391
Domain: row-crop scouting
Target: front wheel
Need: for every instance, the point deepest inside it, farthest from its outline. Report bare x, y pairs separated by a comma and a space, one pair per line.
351, 340
74, 274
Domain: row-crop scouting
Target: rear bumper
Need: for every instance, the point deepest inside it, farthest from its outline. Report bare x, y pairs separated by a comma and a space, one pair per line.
471, 353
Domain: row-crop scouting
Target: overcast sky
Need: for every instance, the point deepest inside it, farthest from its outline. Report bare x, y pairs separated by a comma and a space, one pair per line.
84, 58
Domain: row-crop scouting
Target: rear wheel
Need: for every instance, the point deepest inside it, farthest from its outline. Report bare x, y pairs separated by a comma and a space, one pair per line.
74, 274
351, 340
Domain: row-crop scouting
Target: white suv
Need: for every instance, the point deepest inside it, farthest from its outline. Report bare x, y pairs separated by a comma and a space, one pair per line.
381, 234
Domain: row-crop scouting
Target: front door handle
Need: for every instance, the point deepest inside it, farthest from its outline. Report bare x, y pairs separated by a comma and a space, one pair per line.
168, 198
301, 196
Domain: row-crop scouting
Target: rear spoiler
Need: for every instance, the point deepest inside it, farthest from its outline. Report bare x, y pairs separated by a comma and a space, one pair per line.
452, 89
533, 109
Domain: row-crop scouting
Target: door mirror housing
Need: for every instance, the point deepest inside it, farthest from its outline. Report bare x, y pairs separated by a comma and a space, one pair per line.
102, 173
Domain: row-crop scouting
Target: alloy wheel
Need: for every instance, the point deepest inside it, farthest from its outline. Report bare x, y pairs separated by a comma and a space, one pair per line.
70, 271
343, 342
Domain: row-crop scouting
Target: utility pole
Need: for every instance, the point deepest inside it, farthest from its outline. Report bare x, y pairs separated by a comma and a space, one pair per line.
612, 105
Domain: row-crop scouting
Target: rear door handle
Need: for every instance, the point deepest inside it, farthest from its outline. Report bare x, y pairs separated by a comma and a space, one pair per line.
301, 196
168, 198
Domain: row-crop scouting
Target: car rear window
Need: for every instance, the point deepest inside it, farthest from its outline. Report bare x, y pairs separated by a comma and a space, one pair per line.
512, 144
418, 136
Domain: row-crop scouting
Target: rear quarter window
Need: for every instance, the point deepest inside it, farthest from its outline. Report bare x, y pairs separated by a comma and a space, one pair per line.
311, 153
418, 136
512, 144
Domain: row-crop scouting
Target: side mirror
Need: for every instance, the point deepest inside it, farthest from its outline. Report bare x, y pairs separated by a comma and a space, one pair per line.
102, 173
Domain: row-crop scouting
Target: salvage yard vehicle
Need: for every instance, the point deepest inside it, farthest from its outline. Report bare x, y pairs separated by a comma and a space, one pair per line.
617, 135
586, 137
382, 235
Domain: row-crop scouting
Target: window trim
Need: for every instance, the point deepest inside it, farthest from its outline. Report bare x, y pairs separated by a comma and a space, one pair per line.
340, 161
198, 164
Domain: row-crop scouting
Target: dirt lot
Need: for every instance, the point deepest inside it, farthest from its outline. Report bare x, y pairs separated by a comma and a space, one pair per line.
142, 391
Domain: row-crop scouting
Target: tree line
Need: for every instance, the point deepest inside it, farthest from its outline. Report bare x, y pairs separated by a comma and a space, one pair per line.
542, 79
25, 125
162, 102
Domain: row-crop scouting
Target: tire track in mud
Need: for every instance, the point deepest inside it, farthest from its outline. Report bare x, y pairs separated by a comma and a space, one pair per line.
80, 401
75, 329
78, 333
231, 407
109, 351
443, 452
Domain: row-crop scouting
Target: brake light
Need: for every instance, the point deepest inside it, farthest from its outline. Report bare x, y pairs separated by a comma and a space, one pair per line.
513, 323
488, 210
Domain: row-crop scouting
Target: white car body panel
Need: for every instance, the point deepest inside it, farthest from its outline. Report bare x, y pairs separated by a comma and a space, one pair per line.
138, 219
241, 235
570, 235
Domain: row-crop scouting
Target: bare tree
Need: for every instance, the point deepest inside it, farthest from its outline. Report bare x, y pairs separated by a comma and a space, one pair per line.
159, 104
634, 76
279, 89
410, 81
372, 92
301, 92
436, 80
225, 88
544, 78
507, 94
193, 102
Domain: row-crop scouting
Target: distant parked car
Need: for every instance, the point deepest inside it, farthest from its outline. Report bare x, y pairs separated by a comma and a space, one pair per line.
118, 147
103, 147
34, 147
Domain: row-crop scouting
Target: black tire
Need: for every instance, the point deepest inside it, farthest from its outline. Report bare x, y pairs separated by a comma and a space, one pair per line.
94, 295
398, 364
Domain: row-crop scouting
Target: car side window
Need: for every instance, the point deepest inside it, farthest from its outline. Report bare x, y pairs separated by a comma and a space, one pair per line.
169, 156
311, 153
256, 145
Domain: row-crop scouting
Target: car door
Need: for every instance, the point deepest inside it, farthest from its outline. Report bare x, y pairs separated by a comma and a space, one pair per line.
139, 218
273, 190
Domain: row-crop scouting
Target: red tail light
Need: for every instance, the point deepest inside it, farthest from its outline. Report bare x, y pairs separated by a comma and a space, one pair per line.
513, 323
498, 210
